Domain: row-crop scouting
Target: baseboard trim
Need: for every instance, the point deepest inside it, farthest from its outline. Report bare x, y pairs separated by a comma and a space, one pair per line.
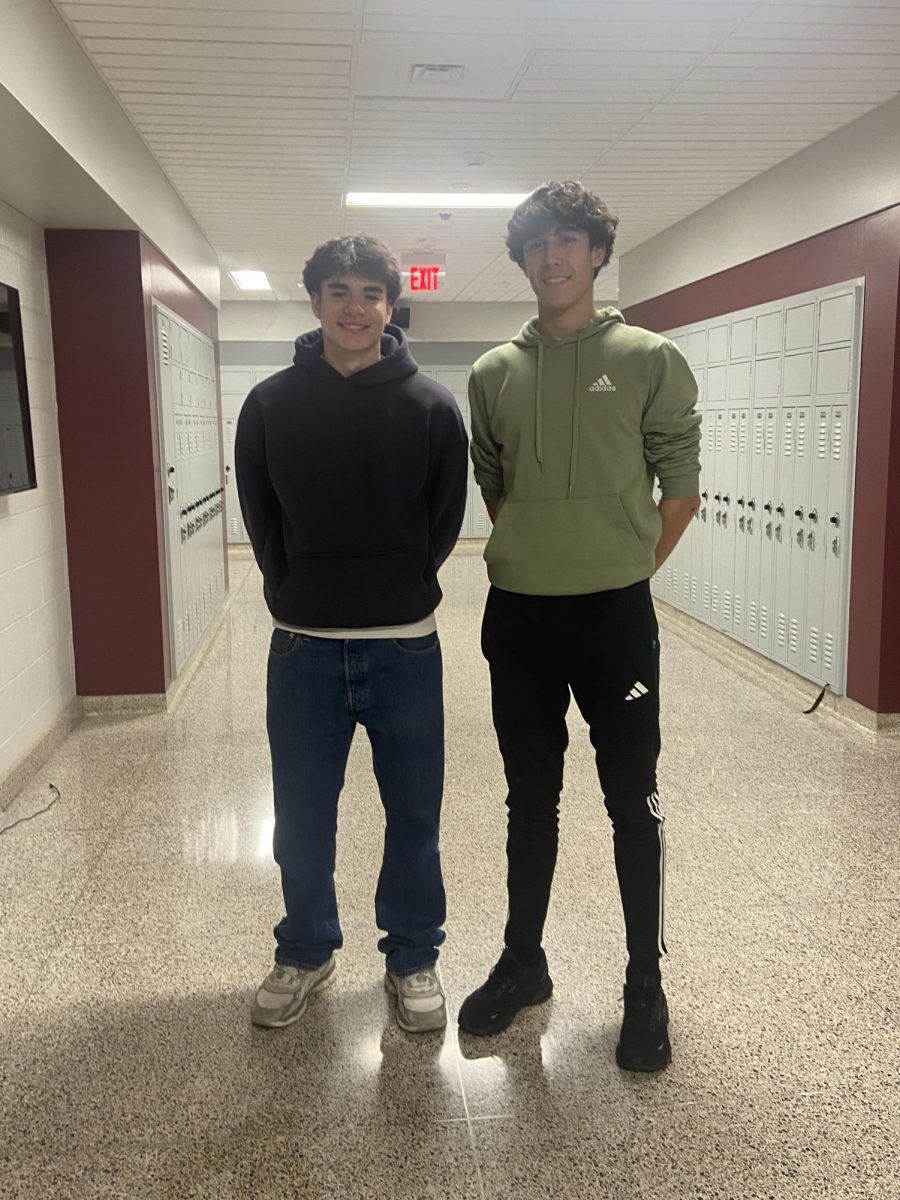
778, 679
34, 758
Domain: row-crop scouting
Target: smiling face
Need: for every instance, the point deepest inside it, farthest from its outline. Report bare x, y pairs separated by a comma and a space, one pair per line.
353, 311
560, 265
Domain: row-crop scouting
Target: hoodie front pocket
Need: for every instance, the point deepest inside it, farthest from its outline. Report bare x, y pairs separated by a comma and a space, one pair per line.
565, 535
333, 590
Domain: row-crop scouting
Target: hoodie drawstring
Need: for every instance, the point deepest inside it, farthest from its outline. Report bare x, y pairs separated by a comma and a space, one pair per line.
539, 409
576, 418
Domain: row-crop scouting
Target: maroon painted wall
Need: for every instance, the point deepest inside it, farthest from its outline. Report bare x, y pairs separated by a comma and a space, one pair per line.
869, 247
101, 287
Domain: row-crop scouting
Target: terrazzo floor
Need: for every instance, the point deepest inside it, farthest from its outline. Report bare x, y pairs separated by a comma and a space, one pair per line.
135, 921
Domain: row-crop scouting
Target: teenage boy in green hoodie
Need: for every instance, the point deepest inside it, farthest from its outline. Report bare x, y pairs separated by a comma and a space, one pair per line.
571, 422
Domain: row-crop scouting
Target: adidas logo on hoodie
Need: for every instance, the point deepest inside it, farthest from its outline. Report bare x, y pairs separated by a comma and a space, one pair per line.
603, 384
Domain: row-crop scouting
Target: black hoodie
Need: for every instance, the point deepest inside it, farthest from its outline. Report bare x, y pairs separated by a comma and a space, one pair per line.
353, 488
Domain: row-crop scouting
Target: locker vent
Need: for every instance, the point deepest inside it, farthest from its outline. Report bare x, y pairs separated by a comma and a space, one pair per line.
694, 591
753, 617
726, 606
822, 438
233, 527
764, 622
794, 642
737, 611
744, 434
788, 436
164, 344
801, 435
813, 644
706, 597
781, 636
770, 434
758, 432
828, 652
687, 588
837, 437
714, 607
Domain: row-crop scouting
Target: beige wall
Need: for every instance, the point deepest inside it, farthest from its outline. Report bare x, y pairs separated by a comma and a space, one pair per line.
37, 679
851, 173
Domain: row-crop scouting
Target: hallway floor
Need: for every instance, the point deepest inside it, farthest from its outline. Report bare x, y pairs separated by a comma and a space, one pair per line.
135, 924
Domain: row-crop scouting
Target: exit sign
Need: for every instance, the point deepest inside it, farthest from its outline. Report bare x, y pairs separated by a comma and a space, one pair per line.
423, 279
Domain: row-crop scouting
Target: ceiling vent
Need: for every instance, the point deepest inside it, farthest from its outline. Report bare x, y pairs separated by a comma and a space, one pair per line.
440, 73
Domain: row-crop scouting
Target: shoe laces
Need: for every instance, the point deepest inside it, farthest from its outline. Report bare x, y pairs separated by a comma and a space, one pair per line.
642, 1003
421, 981
501, 978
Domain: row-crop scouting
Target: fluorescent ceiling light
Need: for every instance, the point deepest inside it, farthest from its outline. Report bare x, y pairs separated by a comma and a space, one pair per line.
448, 200
251, 281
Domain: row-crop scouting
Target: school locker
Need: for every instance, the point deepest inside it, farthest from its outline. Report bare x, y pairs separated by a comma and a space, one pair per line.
765, 559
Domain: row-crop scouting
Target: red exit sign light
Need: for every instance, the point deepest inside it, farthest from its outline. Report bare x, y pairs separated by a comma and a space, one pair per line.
423, 279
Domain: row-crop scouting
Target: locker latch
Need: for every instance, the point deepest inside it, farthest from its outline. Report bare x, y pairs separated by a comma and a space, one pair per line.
778, 533
769, 529
742, 524
800, 538
811, 539
835, 547
749, 524
725, 519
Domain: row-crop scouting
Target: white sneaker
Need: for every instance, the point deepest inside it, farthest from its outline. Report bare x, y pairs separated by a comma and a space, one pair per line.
420, 1000
285, 991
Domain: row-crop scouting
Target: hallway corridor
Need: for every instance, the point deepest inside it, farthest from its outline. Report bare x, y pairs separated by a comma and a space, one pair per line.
135, 924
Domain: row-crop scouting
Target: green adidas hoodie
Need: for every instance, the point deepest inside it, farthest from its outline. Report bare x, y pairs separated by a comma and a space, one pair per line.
567, 435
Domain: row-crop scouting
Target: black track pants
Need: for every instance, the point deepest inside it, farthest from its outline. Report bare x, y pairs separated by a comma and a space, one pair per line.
603, 649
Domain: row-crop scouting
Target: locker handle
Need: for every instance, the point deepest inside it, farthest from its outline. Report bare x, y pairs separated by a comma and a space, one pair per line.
718, 496
798, 512
780, 510
751, 504
835, 520
814, 515
768, 506
705, 495
726, 499
742, 502
171, 470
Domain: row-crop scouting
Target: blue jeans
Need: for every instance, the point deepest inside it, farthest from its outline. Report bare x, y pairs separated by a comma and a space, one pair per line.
318, 690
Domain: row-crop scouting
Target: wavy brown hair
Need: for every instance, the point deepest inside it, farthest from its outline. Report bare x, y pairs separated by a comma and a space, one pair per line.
566, 205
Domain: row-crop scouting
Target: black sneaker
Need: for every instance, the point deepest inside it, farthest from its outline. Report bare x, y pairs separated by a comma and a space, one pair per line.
644, 1040
511, 986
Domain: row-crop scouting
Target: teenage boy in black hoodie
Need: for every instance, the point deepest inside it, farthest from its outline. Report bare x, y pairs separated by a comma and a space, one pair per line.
351, 471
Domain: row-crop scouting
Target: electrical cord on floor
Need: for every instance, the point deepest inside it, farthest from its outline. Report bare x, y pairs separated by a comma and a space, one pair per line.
21, 821
818, 701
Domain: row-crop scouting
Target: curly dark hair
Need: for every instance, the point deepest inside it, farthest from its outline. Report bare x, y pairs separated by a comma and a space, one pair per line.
356, 254
566, 205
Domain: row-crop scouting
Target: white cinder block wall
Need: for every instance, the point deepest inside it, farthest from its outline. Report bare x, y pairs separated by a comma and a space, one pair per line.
37, 676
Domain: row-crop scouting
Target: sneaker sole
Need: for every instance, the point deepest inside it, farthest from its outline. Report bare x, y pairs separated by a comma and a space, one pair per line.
543, 994
428, 1023
642, 1066
323, 983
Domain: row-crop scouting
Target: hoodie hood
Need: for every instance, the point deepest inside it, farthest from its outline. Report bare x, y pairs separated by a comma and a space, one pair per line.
396, 361
529, 337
